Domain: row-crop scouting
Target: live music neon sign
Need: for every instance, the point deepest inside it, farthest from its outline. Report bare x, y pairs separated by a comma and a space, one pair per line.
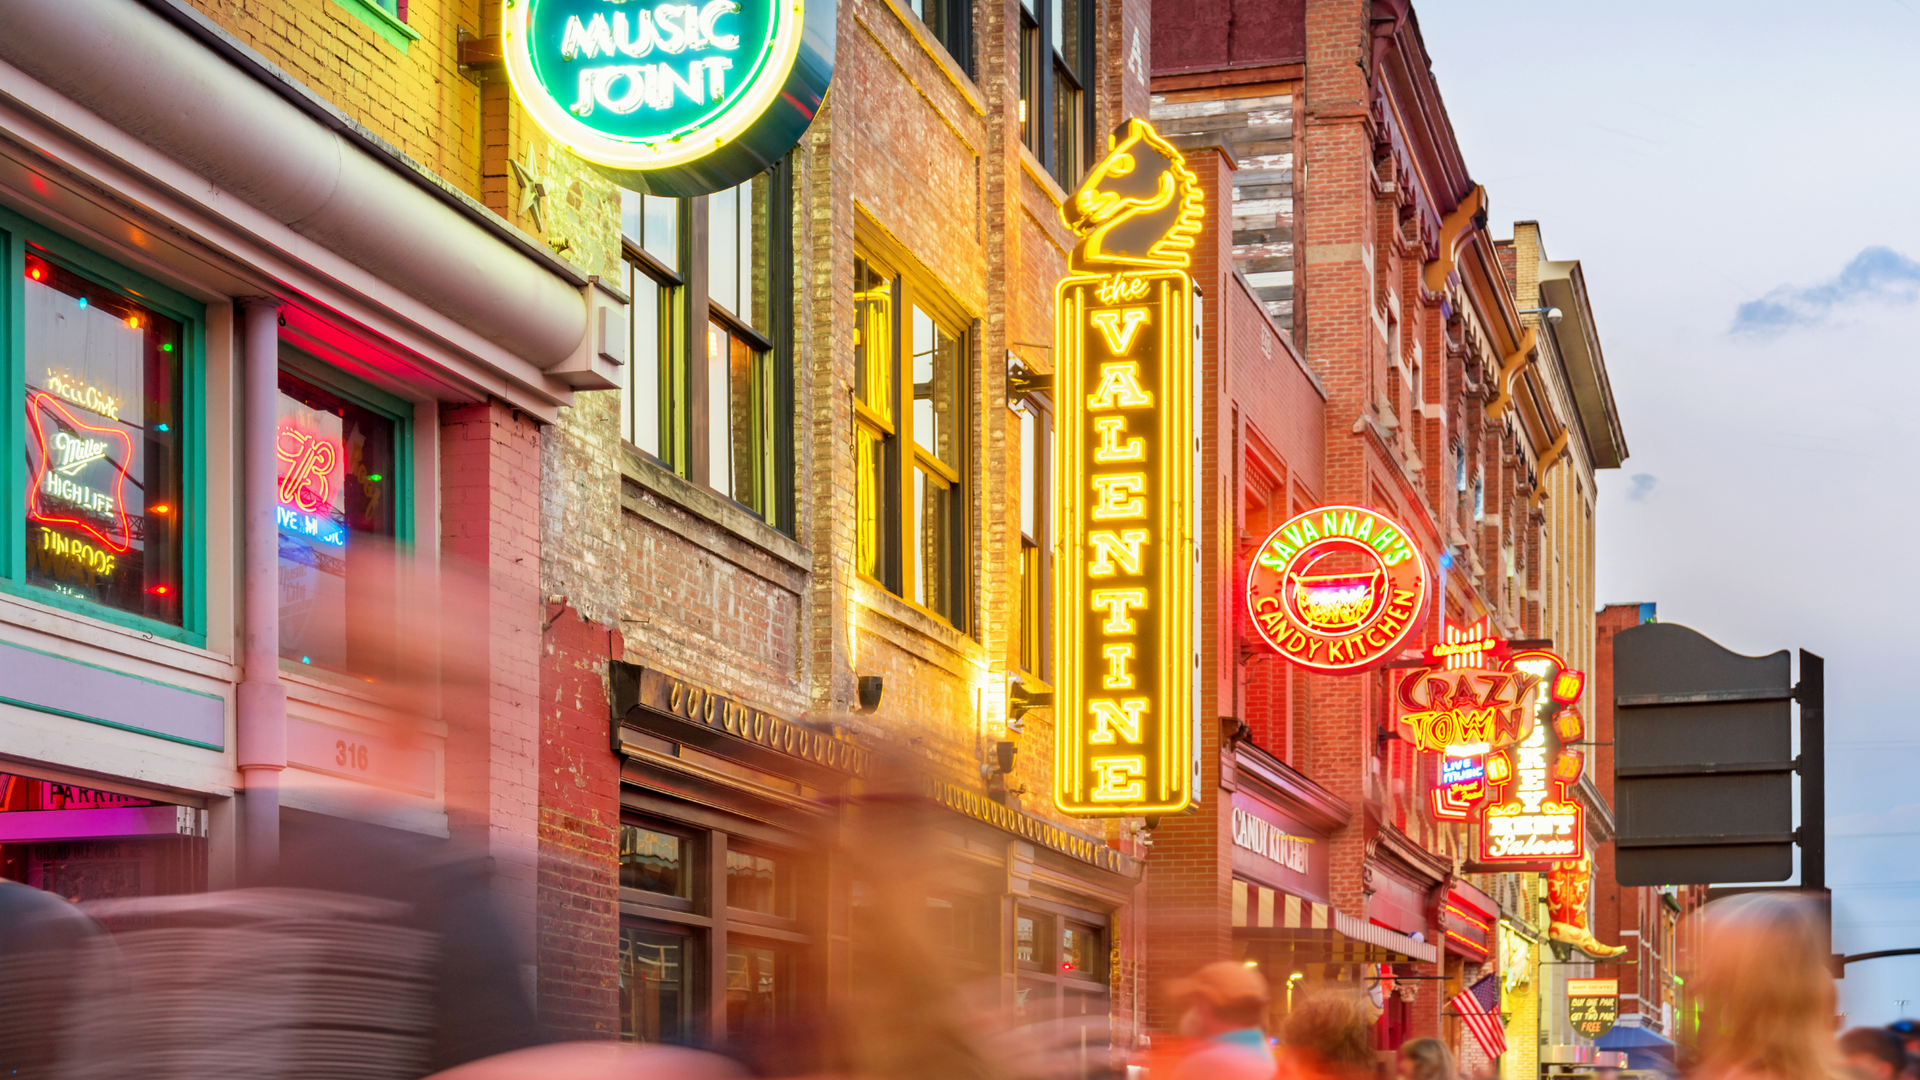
308, 466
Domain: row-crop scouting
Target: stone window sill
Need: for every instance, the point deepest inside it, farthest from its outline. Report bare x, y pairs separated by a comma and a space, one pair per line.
722, 513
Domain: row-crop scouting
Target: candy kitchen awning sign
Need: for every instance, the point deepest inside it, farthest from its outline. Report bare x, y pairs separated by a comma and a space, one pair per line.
1337, 589
675, 99
1124, 471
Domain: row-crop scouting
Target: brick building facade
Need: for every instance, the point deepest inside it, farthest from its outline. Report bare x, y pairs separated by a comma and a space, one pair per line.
1360, 238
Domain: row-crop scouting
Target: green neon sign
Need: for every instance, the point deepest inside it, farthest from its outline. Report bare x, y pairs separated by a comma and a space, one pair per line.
674, 98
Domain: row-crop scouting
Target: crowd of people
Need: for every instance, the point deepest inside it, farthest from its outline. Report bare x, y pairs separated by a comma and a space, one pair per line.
1761, 982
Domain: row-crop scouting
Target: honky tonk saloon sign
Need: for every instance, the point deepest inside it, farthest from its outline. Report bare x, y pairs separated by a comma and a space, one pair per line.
1124, 384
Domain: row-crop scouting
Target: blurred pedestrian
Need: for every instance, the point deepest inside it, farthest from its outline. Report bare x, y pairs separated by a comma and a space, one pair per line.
1327, 1037
1765, 991
1874, 1053
1424, 1059
1224, 1005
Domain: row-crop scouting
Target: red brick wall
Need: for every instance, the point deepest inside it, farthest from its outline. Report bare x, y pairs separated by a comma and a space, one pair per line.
579, 964
490, 541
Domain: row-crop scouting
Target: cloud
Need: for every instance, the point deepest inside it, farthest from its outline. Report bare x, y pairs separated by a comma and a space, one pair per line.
1642, 487
1877, 273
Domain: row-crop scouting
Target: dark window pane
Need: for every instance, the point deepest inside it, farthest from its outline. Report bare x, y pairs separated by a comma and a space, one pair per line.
758, 987
656, 862
656, 1000
336, 515
932, 543
1080, 951
103, 445
761, 883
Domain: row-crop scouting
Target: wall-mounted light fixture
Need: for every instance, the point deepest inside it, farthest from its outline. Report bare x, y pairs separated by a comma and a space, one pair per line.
1023, 699
1553, 314
871, 687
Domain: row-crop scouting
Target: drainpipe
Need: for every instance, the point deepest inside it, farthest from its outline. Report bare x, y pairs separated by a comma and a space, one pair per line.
263, 700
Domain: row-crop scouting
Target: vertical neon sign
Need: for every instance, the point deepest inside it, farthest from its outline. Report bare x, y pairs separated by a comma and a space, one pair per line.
1124, 379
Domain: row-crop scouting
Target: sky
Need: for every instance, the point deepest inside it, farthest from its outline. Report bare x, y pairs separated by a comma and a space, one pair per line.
1736, 180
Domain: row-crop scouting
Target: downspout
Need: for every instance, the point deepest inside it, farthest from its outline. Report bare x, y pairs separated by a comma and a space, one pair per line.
1547, 461
1509, 371
262, 727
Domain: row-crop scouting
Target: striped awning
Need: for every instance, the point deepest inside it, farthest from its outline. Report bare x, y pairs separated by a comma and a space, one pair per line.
1319, 933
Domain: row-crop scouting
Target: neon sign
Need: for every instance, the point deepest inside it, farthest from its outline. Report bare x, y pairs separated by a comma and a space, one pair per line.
310, 460
311, 468
69, 452
1568, 884
1467, 710
698, 97
1537, 820
87, 397
1124, 698
1337, 589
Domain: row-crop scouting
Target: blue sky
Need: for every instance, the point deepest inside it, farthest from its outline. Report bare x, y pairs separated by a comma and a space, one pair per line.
1737, 180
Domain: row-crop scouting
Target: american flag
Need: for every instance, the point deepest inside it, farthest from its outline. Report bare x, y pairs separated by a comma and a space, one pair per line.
1478, 1007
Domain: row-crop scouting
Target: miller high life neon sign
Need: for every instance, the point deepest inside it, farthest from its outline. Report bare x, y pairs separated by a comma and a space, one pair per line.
1125, 468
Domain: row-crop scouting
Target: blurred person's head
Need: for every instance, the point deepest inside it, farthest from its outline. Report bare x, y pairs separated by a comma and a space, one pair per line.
1424, 1059
1909, 1033
1220, 997
1331, 1030
1765, 989
1874, 1053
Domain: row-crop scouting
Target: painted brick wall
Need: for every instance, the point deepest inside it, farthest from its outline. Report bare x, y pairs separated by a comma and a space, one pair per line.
579, 963
490, 544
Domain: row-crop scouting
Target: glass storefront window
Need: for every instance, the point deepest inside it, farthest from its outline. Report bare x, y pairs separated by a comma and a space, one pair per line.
656, 1000
1080, 950
759, 883
53, 842
103, 445
336, 512
655, 861
757, 987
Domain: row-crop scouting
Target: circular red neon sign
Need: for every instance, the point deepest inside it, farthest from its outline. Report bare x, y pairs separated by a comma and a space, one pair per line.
1337, 589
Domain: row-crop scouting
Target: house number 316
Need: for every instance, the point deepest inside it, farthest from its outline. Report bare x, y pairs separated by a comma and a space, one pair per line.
350, 755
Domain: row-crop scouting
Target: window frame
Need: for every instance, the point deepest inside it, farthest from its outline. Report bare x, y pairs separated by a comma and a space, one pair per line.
17, 233
709, 922
953, 25
684, 392
1036, 596
903, 456
1041, 62
394, 409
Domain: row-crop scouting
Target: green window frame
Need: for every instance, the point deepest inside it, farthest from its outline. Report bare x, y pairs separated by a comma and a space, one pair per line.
20, 236
709, 391
395, 410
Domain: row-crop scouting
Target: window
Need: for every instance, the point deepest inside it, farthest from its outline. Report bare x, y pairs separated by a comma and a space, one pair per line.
759, 988
651, 275
338, 507
656, 861
1056, 85
1036, 545
656, 996
709, 390
693, 897
104, 441
951, 22
911, 447
1062, 964
760, 883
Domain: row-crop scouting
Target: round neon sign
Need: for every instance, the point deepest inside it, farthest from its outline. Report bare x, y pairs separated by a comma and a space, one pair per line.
675, 99
1337, 589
